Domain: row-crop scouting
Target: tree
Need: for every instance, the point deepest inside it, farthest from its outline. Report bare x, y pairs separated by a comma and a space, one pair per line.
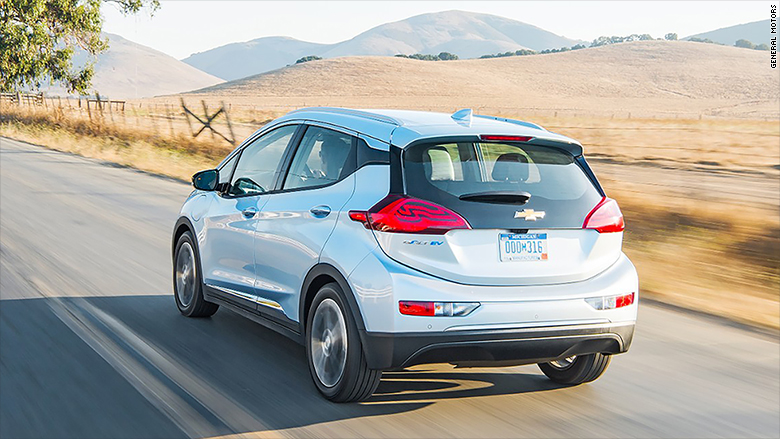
671, 36
745, 44
762, 46
308, 58
523, 52
446, 56
38, 39
443, 56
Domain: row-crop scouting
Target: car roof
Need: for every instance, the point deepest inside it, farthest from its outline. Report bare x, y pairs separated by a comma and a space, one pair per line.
402, 127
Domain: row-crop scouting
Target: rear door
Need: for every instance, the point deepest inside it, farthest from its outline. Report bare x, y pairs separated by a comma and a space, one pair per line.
297, 220
525, 204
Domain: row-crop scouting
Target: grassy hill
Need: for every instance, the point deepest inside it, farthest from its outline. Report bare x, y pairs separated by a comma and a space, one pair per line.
646, 77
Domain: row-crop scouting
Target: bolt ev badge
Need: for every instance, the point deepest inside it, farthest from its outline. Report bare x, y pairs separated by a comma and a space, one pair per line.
529, 214
417, 242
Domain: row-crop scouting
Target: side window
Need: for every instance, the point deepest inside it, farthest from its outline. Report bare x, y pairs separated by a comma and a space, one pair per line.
259, 161
227, 169
323, 157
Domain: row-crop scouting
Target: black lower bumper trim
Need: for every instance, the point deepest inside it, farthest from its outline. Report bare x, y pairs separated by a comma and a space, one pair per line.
494, 347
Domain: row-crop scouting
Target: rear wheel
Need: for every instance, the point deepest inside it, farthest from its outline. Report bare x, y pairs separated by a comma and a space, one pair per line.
577, 369
336, 361
187, 281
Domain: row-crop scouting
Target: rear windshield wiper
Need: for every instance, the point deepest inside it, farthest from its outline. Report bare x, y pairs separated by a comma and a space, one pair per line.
498, 197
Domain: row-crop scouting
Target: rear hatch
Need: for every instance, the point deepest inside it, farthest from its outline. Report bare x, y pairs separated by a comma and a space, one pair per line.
522, 205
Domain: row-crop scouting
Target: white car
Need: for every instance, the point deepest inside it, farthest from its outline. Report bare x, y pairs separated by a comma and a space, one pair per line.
382, 239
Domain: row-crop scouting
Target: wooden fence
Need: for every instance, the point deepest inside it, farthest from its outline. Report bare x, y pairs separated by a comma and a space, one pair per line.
159, 118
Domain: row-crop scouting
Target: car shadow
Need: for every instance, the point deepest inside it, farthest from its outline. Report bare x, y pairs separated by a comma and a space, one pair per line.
260, 370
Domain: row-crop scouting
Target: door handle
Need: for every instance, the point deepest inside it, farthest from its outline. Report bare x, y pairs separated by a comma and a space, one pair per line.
320, 211
249, 212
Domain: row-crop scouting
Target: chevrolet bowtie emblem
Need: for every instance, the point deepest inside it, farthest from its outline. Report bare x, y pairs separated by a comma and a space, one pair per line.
529, 214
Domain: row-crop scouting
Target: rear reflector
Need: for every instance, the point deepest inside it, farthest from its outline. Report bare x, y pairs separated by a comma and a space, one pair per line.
611, 302
359, 216
401, 214
606, 217
499, 138
436, 309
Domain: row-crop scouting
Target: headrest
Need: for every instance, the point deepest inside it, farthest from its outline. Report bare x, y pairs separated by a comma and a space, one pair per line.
438, 164
336, 148
511, 167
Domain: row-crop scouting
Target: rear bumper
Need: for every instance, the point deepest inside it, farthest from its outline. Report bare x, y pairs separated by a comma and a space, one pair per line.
495, 347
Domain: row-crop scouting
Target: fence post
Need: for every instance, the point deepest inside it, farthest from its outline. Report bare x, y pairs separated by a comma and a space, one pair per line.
111, 112
230, 125
170, 118
99, 107
154, 121
135, 115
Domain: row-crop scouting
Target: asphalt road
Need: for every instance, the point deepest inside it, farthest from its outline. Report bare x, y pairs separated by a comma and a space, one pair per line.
91, 344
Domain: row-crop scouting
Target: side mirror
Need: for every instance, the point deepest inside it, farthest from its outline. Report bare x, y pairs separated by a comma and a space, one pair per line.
206, 180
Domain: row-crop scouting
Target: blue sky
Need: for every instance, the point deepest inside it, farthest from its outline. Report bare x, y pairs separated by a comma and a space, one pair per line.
181, 28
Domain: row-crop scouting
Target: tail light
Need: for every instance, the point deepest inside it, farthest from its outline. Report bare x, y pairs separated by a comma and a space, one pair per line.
436, 309
401, 214
606, 217
611, 302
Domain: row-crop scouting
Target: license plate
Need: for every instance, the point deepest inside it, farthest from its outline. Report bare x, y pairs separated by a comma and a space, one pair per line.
522, 247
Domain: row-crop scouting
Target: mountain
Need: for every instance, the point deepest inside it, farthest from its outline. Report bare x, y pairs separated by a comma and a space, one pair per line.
127, 70
466, 34
238, 60
642, 78
756, 32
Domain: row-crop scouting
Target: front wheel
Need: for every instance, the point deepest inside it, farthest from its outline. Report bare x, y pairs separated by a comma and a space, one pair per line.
336, 360
577, 369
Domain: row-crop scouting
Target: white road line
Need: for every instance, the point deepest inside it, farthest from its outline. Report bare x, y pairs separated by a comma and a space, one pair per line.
72, 312
151, 388
227, 410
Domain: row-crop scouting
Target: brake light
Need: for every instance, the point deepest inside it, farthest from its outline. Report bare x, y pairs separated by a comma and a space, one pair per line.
499, 138
416, 308
401, 214
606, 217
436, 309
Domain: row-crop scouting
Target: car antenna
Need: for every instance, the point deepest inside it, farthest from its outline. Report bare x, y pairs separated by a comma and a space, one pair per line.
462, 116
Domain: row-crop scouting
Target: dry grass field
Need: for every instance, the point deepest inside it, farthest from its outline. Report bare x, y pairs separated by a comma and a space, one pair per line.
686, 136
644, 79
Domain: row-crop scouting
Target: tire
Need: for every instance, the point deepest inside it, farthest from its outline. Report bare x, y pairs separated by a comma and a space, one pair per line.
187, 280
340, 372
581, 369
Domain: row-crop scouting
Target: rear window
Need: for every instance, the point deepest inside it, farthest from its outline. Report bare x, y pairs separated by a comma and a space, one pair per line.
443, 172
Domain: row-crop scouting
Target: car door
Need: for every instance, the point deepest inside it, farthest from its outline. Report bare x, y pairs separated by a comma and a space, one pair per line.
296, 222
227, 247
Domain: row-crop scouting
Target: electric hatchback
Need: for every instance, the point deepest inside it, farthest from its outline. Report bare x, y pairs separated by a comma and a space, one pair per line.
382, 239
